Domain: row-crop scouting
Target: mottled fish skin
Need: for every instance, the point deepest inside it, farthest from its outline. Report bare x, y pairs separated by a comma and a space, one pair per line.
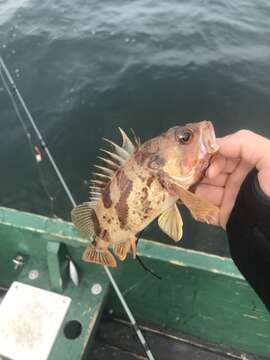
135, 196
139, 190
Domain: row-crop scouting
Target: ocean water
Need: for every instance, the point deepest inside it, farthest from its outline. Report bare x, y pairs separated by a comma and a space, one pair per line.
85, 68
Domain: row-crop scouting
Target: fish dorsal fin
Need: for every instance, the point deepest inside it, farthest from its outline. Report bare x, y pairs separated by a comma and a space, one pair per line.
127, 143
84, 217
170, 221
112, 161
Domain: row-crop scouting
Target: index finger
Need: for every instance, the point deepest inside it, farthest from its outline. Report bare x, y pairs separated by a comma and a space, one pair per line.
246, 145
221, 165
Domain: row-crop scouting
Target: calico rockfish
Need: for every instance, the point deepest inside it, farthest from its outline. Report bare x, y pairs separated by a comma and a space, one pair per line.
141, 182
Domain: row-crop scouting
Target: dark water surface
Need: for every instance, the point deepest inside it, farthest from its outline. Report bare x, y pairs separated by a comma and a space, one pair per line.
85, 68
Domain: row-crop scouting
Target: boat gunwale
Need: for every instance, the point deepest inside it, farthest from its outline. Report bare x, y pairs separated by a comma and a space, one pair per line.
65, 232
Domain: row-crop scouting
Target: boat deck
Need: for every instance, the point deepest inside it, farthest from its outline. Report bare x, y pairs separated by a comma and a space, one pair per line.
115, 340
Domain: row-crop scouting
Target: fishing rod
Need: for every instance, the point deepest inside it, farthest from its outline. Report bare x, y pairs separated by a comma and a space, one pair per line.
34, 149
68, 193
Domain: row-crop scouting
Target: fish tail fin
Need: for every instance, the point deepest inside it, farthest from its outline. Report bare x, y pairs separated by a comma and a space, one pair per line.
121, 249
103, 257
84, 218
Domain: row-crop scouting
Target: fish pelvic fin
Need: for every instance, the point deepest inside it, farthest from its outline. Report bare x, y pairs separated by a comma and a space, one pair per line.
121, 250
84, 218
99, 256
171, 223
133, 249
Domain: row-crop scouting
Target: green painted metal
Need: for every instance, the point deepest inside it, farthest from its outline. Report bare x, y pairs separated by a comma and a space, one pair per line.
85, 307
214, 303
55, 261
25, 234
188, 258
47, 228
200, 294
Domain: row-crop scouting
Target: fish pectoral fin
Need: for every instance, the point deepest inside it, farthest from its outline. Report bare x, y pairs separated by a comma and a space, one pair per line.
102, 257
121, 249
83, 217
170, 222
200, 209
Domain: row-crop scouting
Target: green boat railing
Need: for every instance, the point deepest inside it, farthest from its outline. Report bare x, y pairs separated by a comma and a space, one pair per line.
200, 294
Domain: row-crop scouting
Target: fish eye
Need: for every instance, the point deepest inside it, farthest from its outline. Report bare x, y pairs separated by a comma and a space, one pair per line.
185, 137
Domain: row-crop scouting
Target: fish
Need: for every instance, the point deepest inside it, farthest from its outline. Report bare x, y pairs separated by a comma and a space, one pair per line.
138, 183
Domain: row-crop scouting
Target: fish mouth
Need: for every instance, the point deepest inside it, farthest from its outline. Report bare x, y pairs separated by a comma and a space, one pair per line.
205, 164
209, 145
208, 137
184, 180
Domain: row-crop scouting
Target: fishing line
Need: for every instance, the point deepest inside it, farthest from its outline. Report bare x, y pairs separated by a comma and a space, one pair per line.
39, 136
147, 269
30, 143
142, 263
63, 183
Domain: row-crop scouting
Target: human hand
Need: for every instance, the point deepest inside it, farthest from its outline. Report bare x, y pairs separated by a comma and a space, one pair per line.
238, 154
